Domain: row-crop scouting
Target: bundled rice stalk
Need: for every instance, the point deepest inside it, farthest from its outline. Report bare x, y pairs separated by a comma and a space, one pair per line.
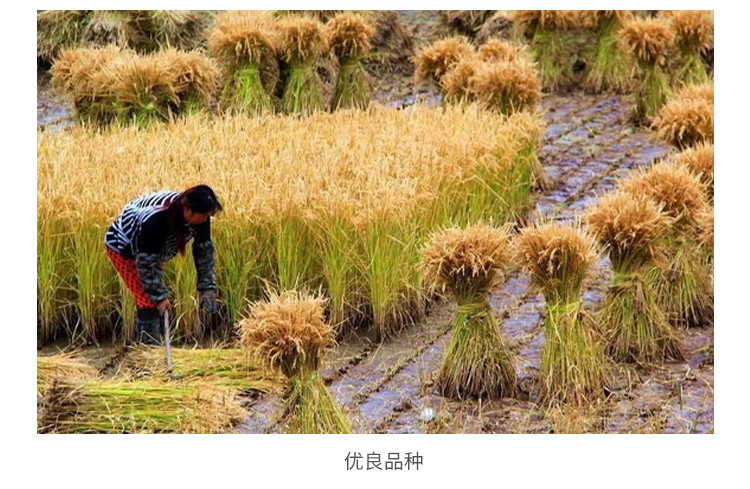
685, 122
112, 27
609, 70
392, 42
498, 25
194, 76
550, 44
558, 258
647, 41
507, 86
693, 35
630, 229
433, 62
682, 283
456, 84
287, 334
469, 262
498, 50
465, 22
700, 160
65, 366
58, 31
139, 407
302, 44
179, 29
349, 38
246, 45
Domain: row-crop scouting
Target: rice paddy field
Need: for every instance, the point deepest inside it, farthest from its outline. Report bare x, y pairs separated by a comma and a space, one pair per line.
372, 255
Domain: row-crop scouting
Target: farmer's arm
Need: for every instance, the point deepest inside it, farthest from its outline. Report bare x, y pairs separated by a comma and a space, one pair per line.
203, 256
149, 245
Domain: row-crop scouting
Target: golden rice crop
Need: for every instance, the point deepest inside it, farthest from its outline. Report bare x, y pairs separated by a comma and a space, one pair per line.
607, 67
507, 86
287, 333
341, 200
349, 37
139, 407
693, 33
469, 262
499, 50
630, 228
685, 122
558, 257
437, 59
302, 43
700, 160
246, 43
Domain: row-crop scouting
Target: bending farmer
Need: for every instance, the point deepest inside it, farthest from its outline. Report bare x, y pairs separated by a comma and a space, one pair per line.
150, 231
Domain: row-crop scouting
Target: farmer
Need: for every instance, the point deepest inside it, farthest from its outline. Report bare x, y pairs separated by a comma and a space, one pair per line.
151, 230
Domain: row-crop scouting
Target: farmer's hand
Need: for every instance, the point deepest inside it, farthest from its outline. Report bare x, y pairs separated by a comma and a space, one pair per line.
208, 300
162, 306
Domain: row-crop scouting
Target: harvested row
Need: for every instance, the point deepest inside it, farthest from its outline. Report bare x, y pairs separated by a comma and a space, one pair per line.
340, 201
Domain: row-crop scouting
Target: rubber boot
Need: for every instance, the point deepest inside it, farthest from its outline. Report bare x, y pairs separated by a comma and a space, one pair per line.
148, 326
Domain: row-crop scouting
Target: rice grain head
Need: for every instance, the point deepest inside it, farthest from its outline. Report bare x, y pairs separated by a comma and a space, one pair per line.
238, 37
437, 59
287, 333
685, 122
647, 40
507, 86
349, 36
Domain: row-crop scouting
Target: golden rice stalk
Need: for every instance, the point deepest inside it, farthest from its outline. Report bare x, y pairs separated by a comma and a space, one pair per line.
674, 187
437, 59
630, 228
456, 84
700, 160
65, 366
499, 50
704, 91
647, 40
469, 262
349, 36
194, 76
139, 407
685, 122
507, 86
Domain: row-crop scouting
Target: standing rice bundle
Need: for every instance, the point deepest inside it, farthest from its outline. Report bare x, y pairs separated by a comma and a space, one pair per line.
558, 258
469, 262
647, 41
609, 69
683, 284
194, 76
507, 86
550, 45
685, 122
456, 84
630, 229
440, 57
246, 45
693, 34
180, 29
287, 334
700, 160
349, 38
302, 44
139, 407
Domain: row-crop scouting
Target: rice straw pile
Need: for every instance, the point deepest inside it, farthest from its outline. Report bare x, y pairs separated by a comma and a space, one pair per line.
287, 334
693, 34
550, 43
138, 407
683, 283
558, 258
609, 70
302, 43
630, 229
246, 45
685, 122
469, 262
647, 42
349, 38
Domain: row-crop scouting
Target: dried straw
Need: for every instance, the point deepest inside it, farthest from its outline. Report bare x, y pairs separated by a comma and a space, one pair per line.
65, 366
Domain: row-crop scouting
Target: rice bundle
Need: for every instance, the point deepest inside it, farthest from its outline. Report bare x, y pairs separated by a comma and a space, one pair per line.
558, 257
469, 262
507, 86
392, 41
499, 50
139, 407
456, 84
550, 45
609, 69
65, 366
179, 29
464, 22
302, 44
700, 160
682, 282
194, 77
58, 31
630, 229
349, 38
287, 334
693, 34
112, 27
246, 45
433, 62
704, 91
685, 122
497, 26
647, 41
